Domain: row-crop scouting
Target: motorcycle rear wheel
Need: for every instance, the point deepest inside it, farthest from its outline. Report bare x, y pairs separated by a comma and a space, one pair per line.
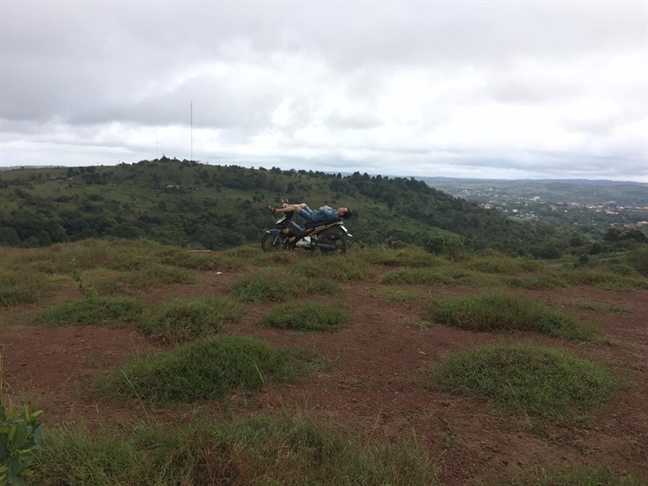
272, 242
334, 238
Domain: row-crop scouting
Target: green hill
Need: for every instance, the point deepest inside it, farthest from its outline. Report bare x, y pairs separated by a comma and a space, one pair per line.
190, 204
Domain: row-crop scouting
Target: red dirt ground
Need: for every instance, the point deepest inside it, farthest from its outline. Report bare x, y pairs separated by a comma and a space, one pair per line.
370, 384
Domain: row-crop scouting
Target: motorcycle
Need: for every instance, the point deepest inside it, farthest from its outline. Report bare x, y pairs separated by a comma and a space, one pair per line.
327, 236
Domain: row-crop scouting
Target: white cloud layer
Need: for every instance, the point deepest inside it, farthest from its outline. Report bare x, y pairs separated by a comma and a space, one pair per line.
466, 89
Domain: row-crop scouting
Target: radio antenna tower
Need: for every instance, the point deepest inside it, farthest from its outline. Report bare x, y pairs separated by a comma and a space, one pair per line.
191, 116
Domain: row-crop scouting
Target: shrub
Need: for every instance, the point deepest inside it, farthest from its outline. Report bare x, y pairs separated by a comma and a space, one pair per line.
182, 320
498, 311
20, 441
639, 261
306, 317
525, 378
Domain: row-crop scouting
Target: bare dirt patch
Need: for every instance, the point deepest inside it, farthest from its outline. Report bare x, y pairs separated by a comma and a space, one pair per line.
370, 384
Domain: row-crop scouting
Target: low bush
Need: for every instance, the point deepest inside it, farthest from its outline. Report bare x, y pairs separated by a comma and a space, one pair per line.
504, 312
638, 259
20, 442
204, 370
306, 317
525, 378
182, 320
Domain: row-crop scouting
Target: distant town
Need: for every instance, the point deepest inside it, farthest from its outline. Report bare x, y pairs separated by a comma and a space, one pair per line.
576, 202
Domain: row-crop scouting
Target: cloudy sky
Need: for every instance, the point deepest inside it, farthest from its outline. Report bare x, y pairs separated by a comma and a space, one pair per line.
507, 89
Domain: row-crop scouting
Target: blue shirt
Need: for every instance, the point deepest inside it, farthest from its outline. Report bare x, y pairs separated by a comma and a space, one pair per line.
323, 214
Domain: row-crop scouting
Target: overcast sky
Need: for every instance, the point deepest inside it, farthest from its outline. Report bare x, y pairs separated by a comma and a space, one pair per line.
513, 90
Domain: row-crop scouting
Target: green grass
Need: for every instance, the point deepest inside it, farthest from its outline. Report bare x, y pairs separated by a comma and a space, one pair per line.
504, 312
263, 451
603, 278
594, 306
450, 275
306, 317
502, 264
576, 476
204, 370
525, 378
225, 261
24, 287
111, 312
153, 276
278, 285
411, 256
182, 320
534, 282
392, 293
345, 268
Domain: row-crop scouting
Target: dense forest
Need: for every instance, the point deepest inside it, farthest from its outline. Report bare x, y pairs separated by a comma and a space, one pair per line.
193, 205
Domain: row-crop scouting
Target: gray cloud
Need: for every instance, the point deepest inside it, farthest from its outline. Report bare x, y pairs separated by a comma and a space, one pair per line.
436, 88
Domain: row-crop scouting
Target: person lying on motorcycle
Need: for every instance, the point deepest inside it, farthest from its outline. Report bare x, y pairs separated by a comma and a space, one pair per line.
325, 213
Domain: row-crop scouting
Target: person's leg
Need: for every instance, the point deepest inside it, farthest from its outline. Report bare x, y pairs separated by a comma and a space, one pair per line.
287, 208
305, 212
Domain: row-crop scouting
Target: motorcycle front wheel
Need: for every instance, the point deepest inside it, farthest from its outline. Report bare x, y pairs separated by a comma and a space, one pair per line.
273, 242
335, 242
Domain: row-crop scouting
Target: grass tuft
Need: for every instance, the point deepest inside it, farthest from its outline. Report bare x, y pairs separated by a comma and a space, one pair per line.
154, 276
536, 282
306, 317
345, 268
263, 450
414, 257
274, 285
392, 293
449, 275
504, 312
19, 287
204, 370
525, 378
112, 312
183, 320
576, 476
595, 306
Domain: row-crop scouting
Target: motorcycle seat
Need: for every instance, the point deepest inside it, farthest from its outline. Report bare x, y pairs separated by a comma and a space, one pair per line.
314, 224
